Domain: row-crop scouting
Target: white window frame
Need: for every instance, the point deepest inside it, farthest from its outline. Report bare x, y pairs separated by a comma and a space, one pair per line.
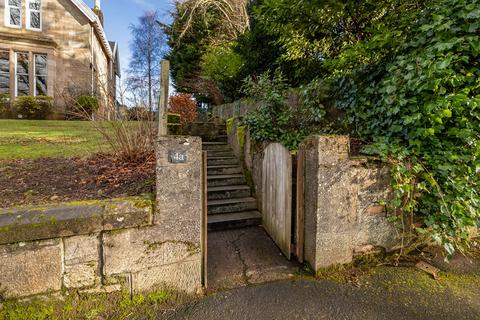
7, 15
16, 73
29, 16
35, 93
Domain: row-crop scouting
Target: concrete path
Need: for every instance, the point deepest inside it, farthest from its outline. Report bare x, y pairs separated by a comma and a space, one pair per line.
244, 257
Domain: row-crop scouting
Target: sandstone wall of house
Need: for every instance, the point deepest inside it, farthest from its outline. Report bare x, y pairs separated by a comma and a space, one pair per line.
71, 44
101, 76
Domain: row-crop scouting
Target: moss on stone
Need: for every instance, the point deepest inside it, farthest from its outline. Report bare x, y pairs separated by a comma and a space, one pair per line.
151, 246
230, 124
5, 229
77, 305
241, 136
143, 203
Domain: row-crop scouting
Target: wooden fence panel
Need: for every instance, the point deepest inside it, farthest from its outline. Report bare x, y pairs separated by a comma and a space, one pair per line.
277, 196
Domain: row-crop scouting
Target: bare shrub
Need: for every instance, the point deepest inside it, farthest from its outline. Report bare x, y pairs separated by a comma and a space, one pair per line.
130, 140
130, 135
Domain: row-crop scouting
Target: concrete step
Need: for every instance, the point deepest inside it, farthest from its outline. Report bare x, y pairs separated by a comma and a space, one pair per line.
234, 220
221, 161
224, 170
215, 146
229, 192
231, 205
225, 180
219, 138
220, 153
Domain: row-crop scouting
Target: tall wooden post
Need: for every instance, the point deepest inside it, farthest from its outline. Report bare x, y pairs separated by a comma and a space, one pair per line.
163, 102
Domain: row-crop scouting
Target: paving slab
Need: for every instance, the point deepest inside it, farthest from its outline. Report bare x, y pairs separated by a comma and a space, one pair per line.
243, 257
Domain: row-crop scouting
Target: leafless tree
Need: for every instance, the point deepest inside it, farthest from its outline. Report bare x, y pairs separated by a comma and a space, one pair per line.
148, 47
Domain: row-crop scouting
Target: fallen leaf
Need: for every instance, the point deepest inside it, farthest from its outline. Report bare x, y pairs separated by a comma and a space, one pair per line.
428, 268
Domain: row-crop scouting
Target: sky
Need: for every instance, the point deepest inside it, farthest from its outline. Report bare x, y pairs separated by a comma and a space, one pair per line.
120, 14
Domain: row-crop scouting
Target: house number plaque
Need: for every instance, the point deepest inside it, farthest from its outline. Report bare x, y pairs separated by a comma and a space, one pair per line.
177, 156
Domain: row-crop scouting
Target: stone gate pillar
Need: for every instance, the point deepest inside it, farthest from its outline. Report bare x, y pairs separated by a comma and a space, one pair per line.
179, 208
344, 212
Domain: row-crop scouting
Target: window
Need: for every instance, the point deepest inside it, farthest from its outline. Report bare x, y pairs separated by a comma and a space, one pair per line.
21, 74
34, 14
13, 13
41, 69
4, 72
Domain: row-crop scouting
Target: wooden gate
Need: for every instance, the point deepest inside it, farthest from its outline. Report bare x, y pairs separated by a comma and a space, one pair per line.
277, 196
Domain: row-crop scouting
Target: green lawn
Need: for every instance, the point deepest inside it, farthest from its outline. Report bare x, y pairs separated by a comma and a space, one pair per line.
28, 139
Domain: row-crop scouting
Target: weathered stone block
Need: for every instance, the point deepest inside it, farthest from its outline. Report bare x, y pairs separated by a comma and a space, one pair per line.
81, 256
137, 249
377, 231
342, 202
179, 184
132, 250
337, 206
184, 276
332, 249
29, 269
81, 275
23, 224
70, 219
332, 149
181, 241
81, 249
127, 213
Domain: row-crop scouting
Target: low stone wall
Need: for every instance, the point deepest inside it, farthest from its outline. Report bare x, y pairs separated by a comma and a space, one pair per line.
344, 211
206, 130
66, 246
233, 110
122, 244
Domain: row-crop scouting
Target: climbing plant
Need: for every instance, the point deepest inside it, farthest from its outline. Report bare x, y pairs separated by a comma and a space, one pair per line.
415, 91
285, 115
411, 89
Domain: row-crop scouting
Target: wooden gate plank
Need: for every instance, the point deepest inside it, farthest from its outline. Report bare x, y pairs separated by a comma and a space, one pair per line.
277, 196
300, 209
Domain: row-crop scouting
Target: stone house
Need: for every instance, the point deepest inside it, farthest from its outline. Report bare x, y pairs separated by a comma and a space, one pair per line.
57, 48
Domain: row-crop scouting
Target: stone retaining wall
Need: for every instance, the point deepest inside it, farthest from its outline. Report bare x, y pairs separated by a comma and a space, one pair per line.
110, 245
233, 110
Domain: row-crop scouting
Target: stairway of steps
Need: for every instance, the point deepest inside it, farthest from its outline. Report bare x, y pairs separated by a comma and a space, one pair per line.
230, 201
